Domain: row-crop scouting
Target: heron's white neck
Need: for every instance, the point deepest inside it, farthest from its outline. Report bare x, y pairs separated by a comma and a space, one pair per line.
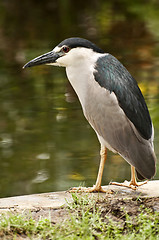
80, 71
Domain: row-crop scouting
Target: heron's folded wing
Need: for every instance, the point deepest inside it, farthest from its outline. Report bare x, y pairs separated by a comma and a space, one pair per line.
113, 76
120, 116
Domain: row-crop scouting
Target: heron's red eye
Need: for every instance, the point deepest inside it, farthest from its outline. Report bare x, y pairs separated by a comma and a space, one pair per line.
66, 49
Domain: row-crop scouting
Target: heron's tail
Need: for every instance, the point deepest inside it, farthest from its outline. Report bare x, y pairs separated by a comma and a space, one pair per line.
147, 169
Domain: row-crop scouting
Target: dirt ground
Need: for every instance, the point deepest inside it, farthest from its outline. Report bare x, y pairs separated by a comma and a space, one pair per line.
116, 209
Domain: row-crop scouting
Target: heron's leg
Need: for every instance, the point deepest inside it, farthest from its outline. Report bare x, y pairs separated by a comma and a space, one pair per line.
103, 154
97, 187
133, 181
133, 184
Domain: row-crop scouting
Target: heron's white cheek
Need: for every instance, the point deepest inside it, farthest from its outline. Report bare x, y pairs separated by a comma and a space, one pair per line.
64, 61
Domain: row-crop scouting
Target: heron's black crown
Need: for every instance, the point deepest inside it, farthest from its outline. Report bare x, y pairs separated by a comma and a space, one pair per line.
80, 42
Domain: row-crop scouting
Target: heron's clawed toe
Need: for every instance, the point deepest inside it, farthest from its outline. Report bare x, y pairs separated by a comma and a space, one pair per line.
131, 184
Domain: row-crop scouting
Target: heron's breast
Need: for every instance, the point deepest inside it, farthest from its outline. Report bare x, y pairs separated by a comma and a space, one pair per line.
81, 82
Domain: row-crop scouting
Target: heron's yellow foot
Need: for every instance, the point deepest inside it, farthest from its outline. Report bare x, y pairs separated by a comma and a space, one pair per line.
132, 184
88, 190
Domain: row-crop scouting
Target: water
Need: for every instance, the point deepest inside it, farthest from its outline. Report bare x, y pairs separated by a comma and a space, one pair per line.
45, 142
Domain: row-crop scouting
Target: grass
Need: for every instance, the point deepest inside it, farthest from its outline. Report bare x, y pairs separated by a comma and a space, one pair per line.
85, 222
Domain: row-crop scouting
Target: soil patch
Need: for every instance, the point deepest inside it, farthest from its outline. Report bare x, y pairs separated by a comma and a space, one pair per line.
115, 209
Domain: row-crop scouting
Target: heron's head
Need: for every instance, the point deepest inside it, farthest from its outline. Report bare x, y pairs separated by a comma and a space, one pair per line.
66, 53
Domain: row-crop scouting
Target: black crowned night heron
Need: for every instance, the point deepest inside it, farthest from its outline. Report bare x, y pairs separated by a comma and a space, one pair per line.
112, 103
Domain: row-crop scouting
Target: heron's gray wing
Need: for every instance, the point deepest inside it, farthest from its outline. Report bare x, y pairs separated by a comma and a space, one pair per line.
117, 133
113, 76
120, 117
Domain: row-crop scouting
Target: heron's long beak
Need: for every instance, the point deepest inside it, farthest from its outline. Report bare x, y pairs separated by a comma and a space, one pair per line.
46, 58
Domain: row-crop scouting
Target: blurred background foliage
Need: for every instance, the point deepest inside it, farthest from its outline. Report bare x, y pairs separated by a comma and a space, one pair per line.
45, 142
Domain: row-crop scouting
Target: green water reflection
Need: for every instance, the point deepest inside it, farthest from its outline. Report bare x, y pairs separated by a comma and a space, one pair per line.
45, 142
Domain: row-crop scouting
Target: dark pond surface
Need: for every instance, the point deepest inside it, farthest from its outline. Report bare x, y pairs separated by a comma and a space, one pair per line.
45, 142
